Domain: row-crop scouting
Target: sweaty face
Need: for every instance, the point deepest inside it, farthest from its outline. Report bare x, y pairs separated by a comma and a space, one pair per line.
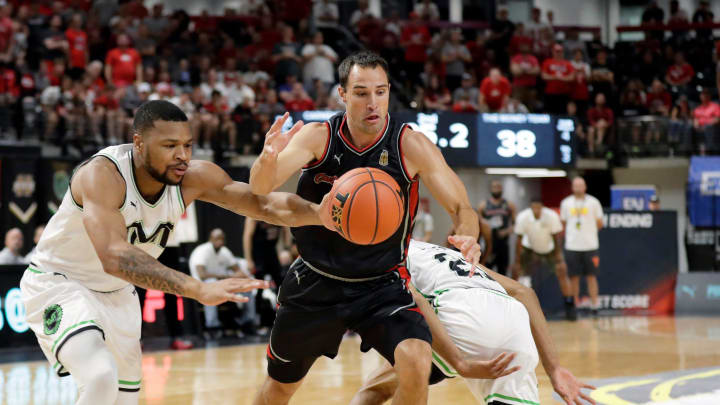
166, 150
367, 95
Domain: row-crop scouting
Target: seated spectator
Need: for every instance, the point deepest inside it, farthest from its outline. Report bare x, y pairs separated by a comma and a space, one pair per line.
580, 128
466, 96
658, 100
106, 108
123, 65
212, 84
602, 76
286, 55
631, 104
285, 89
680, 73
319, 61
494, 92
648, 69
520, 38
360, 14
436, 95
427, 10
299, 100
705, 119
601, 119
703, 15
525, 70
212, 261
326, 14
558, 74
335, 102
36, 238
679, 130
239, 93
580, 92
13, 246
455, 55
215, 122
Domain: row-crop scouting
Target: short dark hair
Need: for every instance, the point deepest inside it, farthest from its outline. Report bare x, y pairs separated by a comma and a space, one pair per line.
536, 199
155, 110
365, 59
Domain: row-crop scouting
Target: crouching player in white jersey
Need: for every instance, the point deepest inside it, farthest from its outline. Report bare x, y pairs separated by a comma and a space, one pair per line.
479, 315
113, 222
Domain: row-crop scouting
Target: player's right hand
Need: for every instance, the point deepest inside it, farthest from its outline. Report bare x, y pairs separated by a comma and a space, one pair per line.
276, 140
469, 248
217, 292
488, 369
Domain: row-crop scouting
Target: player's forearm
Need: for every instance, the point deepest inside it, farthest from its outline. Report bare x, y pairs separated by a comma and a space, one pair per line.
139, 268
288, 209
539, 327
441, 342
262, 174
466, 222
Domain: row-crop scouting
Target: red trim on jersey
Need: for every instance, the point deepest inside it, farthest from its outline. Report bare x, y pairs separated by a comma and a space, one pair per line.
416, 309
413, 203
402, 156
269, 353
317, 162
373, 143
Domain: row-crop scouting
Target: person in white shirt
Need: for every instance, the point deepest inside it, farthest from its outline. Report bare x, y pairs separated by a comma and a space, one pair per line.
428, 10
212, 261
13, 245
326, 14
582, 216
319, 61
538, 231
423, 228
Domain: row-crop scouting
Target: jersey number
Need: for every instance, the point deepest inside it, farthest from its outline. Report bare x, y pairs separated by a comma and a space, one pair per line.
457, 266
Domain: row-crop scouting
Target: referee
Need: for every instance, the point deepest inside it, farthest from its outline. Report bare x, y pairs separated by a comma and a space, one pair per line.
538, 232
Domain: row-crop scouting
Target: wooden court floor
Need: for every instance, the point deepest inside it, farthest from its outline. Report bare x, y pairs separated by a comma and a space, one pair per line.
592, 349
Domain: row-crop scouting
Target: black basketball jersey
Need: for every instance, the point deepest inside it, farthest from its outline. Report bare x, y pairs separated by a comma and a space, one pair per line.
497, 215
326, 250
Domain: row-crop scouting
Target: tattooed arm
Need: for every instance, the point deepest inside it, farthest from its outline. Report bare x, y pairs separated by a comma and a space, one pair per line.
100, 190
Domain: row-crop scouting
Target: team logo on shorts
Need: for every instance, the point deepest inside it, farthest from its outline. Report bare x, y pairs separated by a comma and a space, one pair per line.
51, 318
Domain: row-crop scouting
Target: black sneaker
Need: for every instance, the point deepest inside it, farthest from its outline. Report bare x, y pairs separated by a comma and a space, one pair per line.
571, 313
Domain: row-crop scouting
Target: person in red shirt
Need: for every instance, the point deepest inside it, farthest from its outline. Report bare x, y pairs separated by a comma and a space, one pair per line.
415, 38
525, 69
658, 100
601, 119
299, 99
123, 65
579, 91
78, 47
494, 91
558, 74
680, 73
705, 119
520, 38
216, 121
6, 34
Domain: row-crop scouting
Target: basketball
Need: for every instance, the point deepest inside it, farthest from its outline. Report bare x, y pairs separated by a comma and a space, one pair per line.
367, 205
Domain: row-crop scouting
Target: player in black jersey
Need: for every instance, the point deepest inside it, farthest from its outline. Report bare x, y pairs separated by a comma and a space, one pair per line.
500, 214
337, 285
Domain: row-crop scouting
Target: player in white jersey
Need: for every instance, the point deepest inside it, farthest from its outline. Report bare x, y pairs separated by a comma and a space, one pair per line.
113, 223
479, 315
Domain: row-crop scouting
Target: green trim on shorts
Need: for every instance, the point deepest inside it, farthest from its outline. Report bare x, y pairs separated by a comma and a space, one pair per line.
441, 363
123, 382
498, 293
68, 330
522, 401
34, 270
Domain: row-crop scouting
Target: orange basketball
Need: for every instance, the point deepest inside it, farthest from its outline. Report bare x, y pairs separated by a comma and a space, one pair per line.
367, 205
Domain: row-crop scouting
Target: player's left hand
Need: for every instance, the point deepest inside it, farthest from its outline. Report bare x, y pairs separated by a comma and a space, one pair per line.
276, 140
568, 387
469, 248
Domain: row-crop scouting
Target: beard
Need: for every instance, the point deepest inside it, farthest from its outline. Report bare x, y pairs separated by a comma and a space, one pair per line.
163, 177
496, 195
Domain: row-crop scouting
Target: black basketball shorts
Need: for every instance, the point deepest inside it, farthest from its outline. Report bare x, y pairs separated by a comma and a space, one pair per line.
315, 311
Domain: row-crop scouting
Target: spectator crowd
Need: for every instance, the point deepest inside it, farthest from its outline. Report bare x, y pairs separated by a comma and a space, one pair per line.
74, 71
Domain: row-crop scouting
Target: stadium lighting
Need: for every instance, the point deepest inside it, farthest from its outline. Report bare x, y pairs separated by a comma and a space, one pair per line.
525, 172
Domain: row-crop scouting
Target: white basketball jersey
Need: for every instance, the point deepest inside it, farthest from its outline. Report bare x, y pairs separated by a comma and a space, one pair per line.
434, 269
65, 246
